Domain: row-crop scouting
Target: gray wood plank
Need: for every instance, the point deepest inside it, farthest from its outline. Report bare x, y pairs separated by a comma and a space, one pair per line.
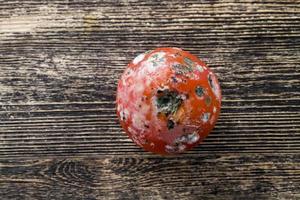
209, 176
59, 66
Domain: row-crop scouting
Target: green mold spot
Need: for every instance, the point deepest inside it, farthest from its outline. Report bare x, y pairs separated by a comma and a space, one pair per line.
189, 62
182, 69
156, 59
199, 91
208, 100
168, 102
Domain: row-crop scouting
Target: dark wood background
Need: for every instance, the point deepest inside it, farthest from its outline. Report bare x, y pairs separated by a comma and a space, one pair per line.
59, 66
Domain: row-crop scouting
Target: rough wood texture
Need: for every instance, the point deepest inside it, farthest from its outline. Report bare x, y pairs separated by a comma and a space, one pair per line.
59, 65
219, 176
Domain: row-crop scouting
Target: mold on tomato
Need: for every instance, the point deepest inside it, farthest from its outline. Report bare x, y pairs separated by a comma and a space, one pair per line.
168, 100
170, 124
199, 91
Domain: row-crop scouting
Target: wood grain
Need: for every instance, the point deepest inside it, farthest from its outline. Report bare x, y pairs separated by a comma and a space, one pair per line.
59, 66
214, 176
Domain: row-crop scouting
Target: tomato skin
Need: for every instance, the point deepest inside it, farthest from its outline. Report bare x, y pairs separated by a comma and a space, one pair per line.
168, 100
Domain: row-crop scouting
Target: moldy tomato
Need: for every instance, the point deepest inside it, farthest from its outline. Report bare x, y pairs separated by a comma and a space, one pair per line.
168, 100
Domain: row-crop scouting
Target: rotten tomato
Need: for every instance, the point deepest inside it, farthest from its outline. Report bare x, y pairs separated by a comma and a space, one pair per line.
168, 100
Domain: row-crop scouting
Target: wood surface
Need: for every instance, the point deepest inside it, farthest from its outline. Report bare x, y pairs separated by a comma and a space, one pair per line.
59, 66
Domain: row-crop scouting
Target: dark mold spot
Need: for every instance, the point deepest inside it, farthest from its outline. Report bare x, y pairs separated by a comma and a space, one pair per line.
199, 91
170, 124
140, 106
210, 81
146, 126
159, 91
168, 102
123, 118
174, 79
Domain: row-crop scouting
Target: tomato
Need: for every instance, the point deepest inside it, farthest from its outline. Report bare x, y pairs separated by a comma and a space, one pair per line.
168, 100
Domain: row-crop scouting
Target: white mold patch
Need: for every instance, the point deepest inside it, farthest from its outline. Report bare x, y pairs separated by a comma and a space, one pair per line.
122, 115
170, 149
137, 121
205, 117
192, 138
124, 81
187, 138
213, 83
147, 82
156, 61
179, 144
144, 109
138, 59
125, 114
175, 149
139, 88
118, 107
214, 109
199, 68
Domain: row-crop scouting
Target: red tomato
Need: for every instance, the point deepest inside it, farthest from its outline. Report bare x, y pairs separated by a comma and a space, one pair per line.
168, 100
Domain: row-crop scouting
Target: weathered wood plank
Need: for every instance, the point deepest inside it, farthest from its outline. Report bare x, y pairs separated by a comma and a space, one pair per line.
64, 51
60, 62
59, 66
215, 176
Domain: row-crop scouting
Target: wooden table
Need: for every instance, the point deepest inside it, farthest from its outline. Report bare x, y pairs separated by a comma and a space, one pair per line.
59, 66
